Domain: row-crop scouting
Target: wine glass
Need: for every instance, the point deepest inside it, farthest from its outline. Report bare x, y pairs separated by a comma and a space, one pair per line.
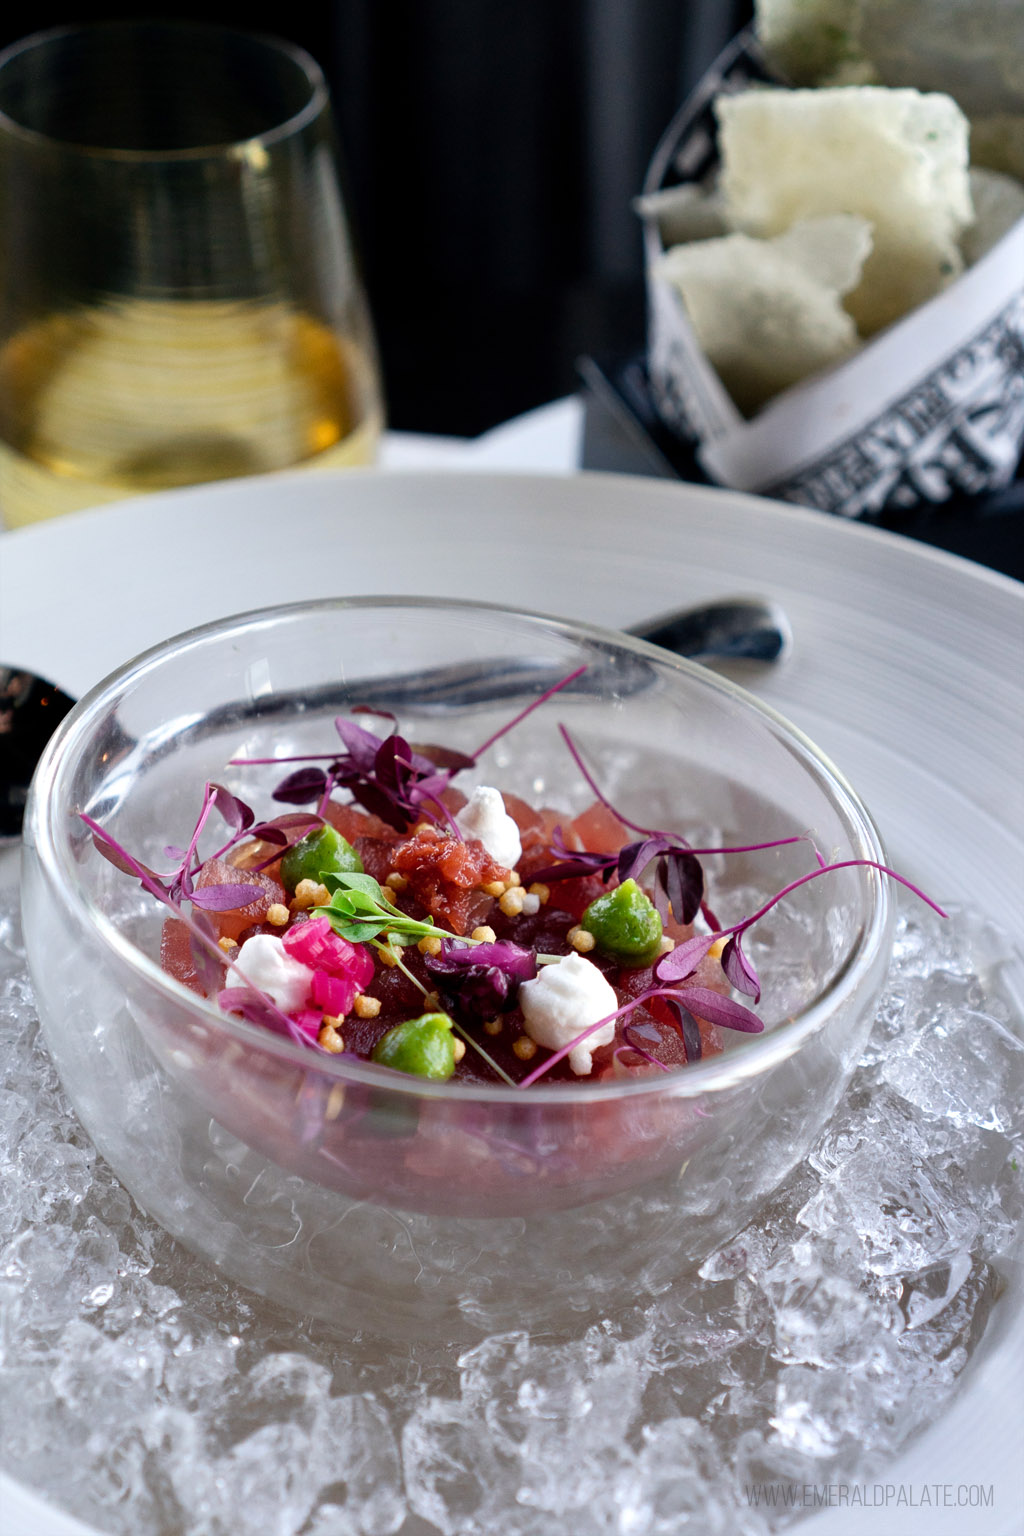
178, 296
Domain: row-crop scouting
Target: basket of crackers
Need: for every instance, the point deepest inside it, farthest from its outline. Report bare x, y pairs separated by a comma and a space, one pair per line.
835, 256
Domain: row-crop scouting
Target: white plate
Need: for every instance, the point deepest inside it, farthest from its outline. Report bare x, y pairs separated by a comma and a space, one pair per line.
907, 670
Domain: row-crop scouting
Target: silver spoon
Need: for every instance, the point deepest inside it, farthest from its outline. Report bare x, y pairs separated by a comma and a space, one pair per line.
30, 711
730, 629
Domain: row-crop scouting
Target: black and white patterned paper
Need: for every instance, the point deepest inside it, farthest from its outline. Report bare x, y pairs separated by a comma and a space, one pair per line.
931, 409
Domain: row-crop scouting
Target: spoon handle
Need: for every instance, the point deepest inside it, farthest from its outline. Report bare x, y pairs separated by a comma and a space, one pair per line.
30, 711
741, 628
734, 628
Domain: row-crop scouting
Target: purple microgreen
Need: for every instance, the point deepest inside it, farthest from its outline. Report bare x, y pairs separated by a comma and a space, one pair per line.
775, 842
628, 863
197, 927
181, 883
361, 746
561, 847
534, 704
670, 838
392, 758
572, 863
563, 1050
398, 771
325, 798
378, 714
284, 830
386, 777
300, 787
740, 970
689, 1029
239, 817
123, 860
442, 815
276, 837
826, 869
631, 1044
685, 958
681, 878
283, 833
234, 811
225, 898
726, 1013
710, 918
573, 870
720, 1010
633, 858
591, 783
115, 854
445, 757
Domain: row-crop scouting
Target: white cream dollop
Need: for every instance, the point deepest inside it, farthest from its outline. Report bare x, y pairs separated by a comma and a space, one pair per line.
484, 817
264, 961
562, 1001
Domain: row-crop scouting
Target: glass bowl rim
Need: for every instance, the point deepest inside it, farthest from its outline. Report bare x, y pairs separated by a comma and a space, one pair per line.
756, 1056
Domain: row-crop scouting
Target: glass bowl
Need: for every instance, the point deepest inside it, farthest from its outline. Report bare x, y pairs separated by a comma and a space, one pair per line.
370, 1198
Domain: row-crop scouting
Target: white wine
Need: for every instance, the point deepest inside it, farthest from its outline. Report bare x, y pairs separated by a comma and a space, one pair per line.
142, 395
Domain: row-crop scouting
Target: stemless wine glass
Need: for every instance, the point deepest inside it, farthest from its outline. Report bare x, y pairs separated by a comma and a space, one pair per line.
178, 296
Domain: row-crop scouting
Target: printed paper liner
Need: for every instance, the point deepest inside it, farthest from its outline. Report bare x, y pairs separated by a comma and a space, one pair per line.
930, 408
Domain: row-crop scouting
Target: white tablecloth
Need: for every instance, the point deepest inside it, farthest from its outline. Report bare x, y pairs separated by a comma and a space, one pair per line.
546, 439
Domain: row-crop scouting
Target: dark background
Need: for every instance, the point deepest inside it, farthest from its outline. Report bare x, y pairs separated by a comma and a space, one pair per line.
492, 150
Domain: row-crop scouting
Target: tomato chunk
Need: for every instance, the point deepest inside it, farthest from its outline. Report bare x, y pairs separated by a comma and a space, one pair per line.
445, 877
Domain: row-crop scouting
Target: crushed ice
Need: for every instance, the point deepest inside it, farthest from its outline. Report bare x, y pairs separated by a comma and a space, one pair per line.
146, 1394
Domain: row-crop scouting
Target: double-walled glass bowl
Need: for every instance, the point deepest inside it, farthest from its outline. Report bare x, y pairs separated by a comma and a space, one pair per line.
379, 1199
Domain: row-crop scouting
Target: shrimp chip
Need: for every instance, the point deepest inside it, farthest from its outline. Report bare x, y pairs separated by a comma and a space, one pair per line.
768, 312
897, 158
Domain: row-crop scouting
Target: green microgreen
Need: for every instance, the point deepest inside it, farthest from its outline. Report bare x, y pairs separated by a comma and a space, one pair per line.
396, 956
360, 911
484, 1055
